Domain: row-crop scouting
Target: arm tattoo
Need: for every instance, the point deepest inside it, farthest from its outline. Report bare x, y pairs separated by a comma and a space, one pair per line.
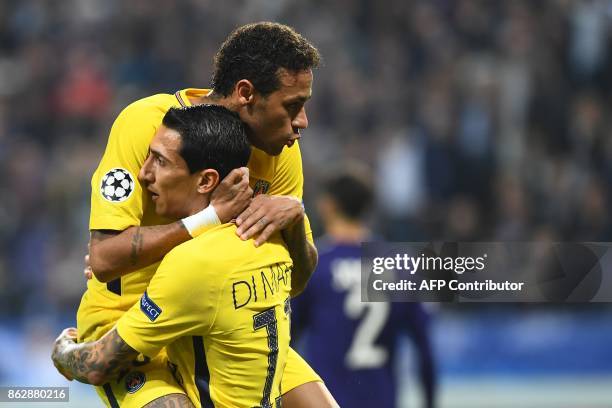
170, 401
101, 235
105, 357
136, 246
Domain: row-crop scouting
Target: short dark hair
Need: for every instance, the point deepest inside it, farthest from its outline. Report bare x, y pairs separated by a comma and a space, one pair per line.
351, 191
256, 52
212, 137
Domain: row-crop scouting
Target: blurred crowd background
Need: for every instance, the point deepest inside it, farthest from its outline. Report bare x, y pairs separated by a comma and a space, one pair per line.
479, 120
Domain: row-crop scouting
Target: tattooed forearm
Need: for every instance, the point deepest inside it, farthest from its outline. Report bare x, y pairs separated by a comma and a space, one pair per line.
136, 246
101, 235
94, 363
113, 254
171, 401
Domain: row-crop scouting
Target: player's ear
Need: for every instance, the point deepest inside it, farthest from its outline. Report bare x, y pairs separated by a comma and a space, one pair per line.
245, 90
207, 181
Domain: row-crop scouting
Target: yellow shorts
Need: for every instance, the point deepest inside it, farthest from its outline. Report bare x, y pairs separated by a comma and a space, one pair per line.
156, 377
142, 383
297, 372
147, 382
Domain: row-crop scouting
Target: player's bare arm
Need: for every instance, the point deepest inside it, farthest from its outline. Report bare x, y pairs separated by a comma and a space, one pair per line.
92, 363
304, 256
171, 401
309, 395
269, 214
116, 253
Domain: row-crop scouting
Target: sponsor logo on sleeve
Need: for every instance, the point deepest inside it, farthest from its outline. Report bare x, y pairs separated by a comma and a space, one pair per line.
149, 308
117, 185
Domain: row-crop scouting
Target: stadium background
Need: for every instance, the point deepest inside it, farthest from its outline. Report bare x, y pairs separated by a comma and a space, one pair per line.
479, 120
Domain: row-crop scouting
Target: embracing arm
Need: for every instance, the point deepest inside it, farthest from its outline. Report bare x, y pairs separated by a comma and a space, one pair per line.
303, 254
115, 253
269, 214
92, 363
282, 210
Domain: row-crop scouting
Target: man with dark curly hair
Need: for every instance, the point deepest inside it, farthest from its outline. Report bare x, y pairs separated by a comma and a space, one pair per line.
263, 72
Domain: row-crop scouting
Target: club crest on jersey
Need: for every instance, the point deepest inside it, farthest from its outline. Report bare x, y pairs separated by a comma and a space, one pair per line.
117, 185
134, 381
261, 187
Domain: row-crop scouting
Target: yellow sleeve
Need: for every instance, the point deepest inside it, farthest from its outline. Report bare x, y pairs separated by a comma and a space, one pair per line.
181, 300
308, 229
289, 179
116, 195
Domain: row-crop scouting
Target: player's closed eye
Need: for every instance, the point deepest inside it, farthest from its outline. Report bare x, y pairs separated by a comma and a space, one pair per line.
294, 109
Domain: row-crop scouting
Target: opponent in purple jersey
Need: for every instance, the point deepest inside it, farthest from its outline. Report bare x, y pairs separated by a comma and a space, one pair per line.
353, 344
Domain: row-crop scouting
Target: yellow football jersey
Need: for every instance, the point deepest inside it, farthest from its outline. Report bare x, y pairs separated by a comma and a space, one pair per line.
118, 200
223, 319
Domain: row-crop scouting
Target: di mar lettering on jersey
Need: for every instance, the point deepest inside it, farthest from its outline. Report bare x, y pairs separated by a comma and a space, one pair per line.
149, 308
216, 347
260, 286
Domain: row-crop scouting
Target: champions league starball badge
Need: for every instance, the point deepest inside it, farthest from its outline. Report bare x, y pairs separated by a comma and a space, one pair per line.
117, 185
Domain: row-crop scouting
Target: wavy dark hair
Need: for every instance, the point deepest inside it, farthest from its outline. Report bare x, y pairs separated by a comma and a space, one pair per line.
256, 52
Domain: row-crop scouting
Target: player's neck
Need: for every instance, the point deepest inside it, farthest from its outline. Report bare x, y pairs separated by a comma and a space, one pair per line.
348, 232
213, 99
197, 205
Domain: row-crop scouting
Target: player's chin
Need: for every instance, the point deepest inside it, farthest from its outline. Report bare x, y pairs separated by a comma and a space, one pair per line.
275, 150
159, 208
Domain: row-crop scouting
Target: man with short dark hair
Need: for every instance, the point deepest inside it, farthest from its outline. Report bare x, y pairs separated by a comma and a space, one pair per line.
128, 238
367, 334
219, 336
